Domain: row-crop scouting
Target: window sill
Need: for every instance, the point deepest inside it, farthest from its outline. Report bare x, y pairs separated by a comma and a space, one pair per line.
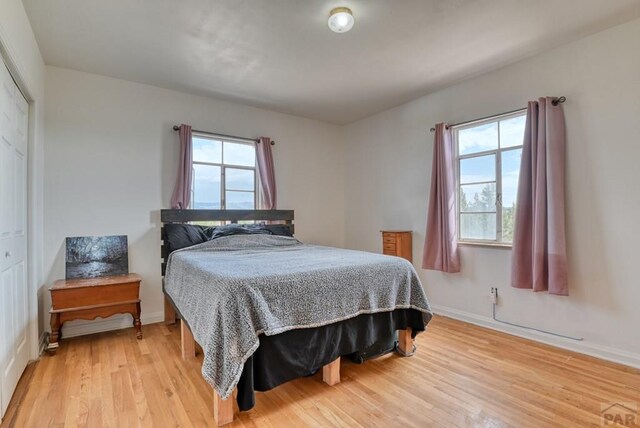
485, 245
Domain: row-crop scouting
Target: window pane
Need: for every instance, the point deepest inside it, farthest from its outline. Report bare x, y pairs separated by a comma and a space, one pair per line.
239, 179
239, 154
207, 150
478, 139
478, 197
206, 187
510, 175
512, 131
478, 226
240, 200
478, 169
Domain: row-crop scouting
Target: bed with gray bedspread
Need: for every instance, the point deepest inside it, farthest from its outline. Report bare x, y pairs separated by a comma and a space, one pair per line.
232, 289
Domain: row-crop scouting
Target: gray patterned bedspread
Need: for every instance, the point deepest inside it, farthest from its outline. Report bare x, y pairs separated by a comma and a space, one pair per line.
232, 289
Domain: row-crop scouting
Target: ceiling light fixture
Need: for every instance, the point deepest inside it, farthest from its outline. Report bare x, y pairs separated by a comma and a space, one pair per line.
341, 20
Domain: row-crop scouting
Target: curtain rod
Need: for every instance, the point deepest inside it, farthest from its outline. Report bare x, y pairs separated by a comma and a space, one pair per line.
555, 102
256, 140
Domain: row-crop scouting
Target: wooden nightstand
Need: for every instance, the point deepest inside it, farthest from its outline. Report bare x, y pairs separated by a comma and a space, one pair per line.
397, 243
90, 298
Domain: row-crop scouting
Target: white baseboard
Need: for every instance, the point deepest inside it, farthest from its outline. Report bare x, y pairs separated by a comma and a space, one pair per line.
594, 350
116, 322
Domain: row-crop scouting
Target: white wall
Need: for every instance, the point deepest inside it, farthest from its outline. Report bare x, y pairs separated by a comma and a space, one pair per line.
19, 49
388, 170
111, 162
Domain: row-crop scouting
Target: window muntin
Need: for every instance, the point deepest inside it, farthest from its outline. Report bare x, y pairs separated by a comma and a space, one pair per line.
224, 173
488, 154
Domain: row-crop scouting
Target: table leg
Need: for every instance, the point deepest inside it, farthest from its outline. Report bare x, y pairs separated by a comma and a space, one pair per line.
169, 312
187, 341
331, 372
222, 409
55, 334
406, 347
136, 322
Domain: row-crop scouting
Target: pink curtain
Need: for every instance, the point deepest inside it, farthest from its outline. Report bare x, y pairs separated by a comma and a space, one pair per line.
539, 259
440, 245
182, 192
267, 173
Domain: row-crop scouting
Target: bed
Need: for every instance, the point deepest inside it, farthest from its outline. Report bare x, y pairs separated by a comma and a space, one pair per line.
266, 308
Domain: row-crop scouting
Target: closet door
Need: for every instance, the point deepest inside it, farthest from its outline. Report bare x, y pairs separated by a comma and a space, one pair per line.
14, 313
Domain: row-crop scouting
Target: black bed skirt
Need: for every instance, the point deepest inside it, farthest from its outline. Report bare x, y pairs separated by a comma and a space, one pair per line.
298, 353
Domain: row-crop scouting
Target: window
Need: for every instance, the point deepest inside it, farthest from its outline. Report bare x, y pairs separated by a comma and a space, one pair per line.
224, 173
488, 156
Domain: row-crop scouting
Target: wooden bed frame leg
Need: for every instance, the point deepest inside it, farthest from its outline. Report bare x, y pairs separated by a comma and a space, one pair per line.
169, 312
222, 409
331, 372
188, 342
405, 342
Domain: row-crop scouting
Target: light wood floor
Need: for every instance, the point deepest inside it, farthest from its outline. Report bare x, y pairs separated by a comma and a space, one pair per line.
462, 375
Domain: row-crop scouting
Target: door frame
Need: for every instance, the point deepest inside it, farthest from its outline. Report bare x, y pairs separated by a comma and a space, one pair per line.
34, 191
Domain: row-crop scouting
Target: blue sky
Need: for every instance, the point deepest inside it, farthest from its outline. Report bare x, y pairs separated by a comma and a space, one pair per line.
479, 169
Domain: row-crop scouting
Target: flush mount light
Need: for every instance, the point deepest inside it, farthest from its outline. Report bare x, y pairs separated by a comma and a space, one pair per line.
340, 20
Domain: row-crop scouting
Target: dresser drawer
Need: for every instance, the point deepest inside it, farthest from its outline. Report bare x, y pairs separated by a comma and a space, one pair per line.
389, 247
389, 239
78, 297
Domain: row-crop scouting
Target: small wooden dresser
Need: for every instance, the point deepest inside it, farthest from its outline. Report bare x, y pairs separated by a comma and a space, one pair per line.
90, 298
397, 243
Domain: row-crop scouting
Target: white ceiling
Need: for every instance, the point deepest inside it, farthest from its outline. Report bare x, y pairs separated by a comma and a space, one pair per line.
280, 54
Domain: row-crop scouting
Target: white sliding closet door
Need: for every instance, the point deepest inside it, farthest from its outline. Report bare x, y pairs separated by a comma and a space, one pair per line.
14, 314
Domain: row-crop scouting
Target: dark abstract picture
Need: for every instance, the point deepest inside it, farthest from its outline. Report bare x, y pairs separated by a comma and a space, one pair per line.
93, 256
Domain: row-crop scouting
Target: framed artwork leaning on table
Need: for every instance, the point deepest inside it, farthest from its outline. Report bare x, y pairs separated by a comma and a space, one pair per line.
96, 256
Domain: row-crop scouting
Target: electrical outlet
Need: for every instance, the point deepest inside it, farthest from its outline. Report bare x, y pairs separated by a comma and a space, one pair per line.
494, 295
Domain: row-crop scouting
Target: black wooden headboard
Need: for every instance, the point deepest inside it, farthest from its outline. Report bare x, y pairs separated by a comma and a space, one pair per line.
234, 216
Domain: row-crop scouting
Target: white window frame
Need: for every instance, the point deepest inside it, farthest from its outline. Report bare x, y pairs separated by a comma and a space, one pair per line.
498, 154
223, 166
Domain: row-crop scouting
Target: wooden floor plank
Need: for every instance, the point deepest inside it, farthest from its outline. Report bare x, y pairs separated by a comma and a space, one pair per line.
461, 376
